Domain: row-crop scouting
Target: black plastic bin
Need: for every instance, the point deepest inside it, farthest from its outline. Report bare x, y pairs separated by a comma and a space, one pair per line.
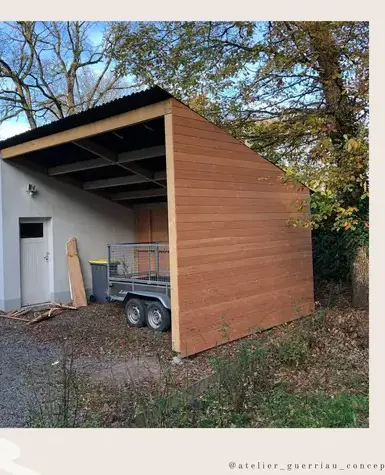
99, 280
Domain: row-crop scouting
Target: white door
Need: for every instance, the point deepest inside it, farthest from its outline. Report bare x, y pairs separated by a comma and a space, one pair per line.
34, 257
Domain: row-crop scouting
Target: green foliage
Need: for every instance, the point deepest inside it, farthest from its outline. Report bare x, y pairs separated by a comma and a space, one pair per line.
283, 409
293, 350
296, 91
331, 260
336, 241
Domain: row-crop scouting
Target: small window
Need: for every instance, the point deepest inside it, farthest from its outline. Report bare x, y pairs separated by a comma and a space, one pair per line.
31, 230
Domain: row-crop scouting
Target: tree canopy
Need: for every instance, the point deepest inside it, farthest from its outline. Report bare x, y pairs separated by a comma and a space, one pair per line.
297, 92
49, 70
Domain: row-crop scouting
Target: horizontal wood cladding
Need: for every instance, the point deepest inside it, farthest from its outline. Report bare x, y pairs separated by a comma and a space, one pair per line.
239, 265
151, 224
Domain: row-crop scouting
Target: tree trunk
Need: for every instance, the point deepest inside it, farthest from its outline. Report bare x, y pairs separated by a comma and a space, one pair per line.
360, 279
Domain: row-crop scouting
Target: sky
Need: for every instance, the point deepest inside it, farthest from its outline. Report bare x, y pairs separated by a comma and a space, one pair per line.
19, 125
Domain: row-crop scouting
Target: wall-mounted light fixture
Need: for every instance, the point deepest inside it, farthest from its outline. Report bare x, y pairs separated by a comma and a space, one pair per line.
31, 190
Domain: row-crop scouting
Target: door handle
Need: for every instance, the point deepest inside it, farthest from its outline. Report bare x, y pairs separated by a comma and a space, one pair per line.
46, 257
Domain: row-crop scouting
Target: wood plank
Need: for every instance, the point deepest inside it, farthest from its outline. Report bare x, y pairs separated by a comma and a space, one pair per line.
249, 275
235, 309
263, 265
232, 240
78, 293
267, 250
211, 134
203, 202
238, 290
143, 225
222, 177
256, 208
238, 245
267, 316
226, 265
209, 143
189, 235
229, 225
234, 217
111, 123
172, 231
210, 193
180, 110
245, 154
234, 186
194, 122
226, 166
261, 316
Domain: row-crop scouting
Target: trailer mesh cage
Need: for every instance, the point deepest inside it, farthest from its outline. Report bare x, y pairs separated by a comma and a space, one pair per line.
141, 262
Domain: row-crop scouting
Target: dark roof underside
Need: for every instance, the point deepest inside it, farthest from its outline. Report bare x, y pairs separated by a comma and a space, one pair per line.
118, 106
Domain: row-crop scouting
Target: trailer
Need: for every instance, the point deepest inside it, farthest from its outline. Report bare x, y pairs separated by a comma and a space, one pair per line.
139, 276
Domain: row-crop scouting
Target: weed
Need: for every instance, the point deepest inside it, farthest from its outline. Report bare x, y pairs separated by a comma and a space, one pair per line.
293, 350
64, 402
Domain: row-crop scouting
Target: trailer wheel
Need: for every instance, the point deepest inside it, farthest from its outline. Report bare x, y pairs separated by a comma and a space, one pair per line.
135, 312
158, 317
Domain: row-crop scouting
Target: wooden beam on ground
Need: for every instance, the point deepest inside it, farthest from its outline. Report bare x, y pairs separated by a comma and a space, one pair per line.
132, 195
88, 130
78, 166
119, 181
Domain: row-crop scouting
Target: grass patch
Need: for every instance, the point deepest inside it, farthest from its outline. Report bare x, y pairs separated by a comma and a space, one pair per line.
282, 409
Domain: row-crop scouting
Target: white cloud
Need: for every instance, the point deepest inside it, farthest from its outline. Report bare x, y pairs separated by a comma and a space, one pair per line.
11, 128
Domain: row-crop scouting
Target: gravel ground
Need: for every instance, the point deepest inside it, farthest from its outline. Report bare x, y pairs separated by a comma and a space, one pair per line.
103, 347
108, 352
21, 359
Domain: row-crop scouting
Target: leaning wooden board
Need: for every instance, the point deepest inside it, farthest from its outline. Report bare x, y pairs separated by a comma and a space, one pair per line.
78, 292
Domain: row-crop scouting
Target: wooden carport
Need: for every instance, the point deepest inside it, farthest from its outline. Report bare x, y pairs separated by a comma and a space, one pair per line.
235, 265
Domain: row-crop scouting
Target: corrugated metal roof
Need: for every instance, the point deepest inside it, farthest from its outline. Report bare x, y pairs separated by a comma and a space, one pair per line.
109, 109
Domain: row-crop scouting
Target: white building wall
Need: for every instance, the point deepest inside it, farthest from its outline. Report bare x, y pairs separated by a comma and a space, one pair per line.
93, 221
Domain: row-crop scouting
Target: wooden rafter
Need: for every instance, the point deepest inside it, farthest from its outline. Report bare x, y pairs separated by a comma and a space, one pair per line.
78, 166
142, 154
133, 156
112, 159
132, 195
109, 182
97, 149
